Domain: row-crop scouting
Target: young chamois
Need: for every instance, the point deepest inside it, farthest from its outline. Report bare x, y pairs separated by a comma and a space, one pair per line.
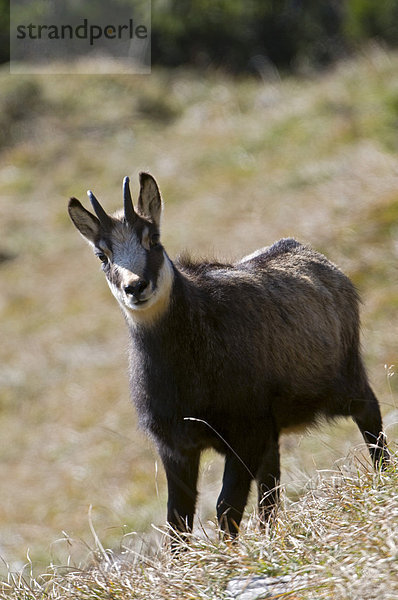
227, 356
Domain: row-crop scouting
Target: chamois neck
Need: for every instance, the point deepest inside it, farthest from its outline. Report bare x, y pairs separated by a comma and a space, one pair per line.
183, 295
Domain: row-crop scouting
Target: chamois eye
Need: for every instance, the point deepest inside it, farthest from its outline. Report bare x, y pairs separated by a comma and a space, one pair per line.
103, 257
154, 240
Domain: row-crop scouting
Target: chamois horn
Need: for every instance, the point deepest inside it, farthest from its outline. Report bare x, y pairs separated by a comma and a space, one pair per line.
99, 211
129, 212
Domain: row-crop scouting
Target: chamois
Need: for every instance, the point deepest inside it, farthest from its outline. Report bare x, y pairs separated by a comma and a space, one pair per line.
228, 356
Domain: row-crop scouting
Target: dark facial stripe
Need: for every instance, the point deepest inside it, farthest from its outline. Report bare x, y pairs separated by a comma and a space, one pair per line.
153, 265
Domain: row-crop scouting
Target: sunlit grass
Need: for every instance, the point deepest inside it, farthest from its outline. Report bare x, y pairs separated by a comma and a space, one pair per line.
337, 541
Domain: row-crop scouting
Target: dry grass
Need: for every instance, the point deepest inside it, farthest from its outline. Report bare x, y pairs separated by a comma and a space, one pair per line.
241, 163
338, 541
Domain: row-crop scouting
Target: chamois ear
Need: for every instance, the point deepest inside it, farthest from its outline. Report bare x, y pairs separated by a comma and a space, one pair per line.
84, 221
149, 201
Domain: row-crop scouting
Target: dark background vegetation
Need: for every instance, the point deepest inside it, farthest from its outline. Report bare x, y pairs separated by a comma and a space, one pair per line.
251, 35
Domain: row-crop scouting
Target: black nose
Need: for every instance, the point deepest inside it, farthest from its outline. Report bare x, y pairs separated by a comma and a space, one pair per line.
136, 288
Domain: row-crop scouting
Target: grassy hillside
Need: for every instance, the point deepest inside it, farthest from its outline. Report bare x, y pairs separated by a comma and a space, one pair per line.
339, 541
240, 163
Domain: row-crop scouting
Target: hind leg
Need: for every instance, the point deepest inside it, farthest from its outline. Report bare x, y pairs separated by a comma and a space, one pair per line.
268, 478
366, 414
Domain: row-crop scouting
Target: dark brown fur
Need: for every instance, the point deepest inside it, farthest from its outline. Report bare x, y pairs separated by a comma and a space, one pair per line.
249, 350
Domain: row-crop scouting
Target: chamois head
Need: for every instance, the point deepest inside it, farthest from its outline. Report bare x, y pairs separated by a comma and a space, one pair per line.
136, 266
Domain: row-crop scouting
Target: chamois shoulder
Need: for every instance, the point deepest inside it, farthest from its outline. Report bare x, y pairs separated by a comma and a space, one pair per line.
197, 267
277, 250
290, 255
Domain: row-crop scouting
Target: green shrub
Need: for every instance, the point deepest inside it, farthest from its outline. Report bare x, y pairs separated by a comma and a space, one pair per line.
252, 34
366, 19
245, 35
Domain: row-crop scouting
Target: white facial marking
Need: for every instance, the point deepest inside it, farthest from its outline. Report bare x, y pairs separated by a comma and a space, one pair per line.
157, 304
127, 250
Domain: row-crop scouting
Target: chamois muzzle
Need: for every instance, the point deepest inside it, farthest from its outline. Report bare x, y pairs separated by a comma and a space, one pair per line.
137, 290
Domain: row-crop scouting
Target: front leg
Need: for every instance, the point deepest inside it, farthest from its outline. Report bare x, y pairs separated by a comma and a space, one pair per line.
182, 476
233, 497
